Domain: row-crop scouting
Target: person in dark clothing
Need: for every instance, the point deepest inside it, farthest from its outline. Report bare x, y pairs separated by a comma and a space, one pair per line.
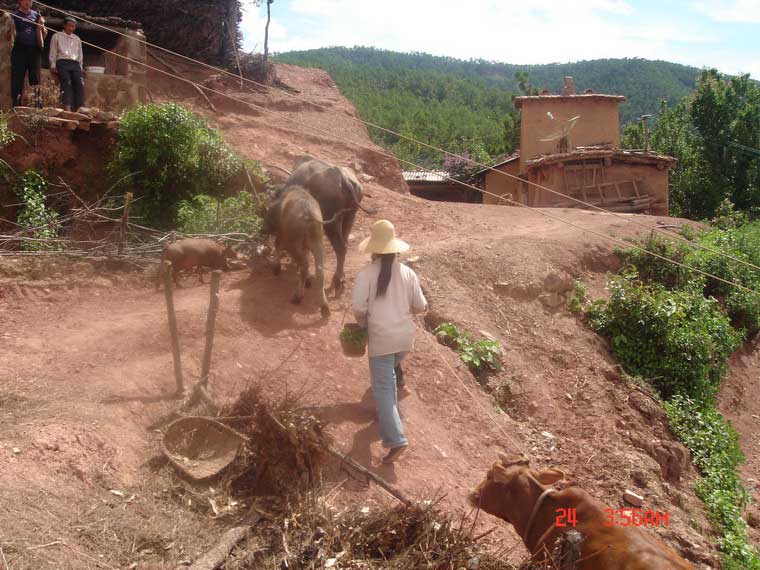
66, 63
27, 34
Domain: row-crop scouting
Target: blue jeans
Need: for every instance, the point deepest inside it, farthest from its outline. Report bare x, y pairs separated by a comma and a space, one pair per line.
383, 380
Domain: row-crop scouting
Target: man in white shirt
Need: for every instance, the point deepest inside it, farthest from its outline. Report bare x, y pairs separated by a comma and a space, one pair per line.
66, 60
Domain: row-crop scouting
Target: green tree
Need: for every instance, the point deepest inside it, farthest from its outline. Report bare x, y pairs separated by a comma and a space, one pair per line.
169, 155
715, 134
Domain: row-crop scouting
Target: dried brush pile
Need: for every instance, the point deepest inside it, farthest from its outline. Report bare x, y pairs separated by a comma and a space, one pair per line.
285, 451
314, 534
252, 66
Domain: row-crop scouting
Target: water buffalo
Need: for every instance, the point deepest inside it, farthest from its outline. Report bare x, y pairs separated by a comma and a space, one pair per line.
339, 195
293, 216
189, 253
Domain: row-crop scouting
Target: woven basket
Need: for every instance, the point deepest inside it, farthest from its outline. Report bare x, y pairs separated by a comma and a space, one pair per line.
201, 448
354, 349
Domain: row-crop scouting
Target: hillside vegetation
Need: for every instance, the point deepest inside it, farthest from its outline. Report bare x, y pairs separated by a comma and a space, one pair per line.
463, 105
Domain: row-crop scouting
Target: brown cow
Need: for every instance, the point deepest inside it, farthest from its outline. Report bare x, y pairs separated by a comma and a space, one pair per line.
189, 253
519, 495
293, 216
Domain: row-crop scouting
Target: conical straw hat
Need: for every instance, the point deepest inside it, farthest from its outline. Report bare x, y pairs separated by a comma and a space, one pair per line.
383, 240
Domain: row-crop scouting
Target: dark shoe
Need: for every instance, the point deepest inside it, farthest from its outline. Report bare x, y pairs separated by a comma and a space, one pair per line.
399, 377
395, 454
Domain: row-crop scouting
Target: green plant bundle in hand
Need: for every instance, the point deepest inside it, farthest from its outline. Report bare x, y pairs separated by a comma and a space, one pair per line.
354, 334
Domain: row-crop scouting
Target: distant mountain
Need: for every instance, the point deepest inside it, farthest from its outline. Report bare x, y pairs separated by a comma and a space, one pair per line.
457, 104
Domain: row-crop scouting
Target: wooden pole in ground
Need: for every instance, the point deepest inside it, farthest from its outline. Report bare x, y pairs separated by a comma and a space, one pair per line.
213, 309
124, 220
169, 293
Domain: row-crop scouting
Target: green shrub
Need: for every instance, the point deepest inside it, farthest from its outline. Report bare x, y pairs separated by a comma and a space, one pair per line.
35, 216
741, 243
728, 217
6, 135
715, 450
479, 355
205, 214
678, 340
577, 302
654, 269
172, 155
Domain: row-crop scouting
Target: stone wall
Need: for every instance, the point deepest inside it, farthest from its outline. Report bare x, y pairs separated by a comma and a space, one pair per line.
124, 85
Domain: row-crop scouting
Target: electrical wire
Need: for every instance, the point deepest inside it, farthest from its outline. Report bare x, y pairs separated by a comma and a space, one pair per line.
389, 155
421, 143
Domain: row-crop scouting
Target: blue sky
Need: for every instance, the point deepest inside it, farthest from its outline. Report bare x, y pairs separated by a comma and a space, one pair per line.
704, 33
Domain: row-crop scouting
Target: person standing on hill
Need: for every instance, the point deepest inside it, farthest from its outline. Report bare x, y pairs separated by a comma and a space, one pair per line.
66, 59
27, 34
385, 296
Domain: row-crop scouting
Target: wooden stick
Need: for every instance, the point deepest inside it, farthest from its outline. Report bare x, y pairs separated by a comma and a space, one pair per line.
175, 72
169, 293
216, 557
213, 309
124, 219
233, 37
376, 478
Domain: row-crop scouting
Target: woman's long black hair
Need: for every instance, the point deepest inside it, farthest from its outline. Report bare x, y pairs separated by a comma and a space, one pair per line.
384, 279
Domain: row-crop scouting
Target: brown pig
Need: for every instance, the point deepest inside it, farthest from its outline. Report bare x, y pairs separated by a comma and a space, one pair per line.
189, 253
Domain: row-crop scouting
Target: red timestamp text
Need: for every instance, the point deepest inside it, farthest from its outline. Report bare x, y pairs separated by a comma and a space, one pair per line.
616, 517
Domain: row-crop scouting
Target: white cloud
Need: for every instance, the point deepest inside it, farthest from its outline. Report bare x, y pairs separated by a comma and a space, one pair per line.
252, 28
731, 11
552, 31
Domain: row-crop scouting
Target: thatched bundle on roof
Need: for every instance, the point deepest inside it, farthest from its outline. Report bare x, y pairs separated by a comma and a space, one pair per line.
203, 29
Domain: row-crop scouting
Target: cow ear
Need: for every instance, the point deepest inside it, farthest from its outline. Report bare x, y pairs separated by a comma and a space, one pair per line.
499, 473
507, 461
549, 476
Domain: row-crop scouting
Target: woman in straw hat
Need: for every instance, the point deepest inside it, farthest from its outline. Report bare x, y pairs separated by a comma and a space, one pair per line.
386, 295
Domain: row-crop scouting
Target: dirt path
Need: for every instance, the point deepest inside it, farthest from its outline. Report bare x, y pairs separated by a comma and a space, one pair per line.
85, 368
88, 369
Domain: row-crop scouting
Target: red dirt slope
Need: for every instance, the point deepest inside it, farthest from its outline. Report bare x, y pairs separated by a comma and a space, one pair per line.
86, 363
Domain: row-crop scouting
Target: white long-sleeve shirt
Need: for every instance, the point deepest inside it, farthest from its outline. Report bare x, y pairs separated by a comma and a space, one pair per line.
65, 46
389, 318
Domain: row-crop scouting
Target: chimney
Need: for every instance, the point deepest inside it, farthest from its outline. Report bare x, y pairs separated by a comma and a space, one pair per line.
569, 87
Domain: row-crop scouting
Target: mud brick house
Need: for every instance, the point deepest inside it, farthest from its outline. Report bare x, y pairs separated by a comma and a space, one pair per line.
435, 185
123, 84
571, 143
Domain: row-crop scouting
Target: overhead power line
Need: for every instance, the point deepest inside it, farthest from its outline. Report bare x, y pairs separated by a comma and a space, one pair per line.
421, 143
389, 155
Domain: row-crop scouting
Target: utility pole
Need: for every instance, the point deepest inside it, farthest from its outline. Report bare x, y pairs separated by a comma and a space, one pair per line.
645, 124
266, 38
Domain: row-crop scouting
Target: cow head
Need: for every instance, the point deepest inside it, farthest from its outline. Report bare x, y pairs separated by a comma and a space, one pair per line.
271, 215
511, 489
